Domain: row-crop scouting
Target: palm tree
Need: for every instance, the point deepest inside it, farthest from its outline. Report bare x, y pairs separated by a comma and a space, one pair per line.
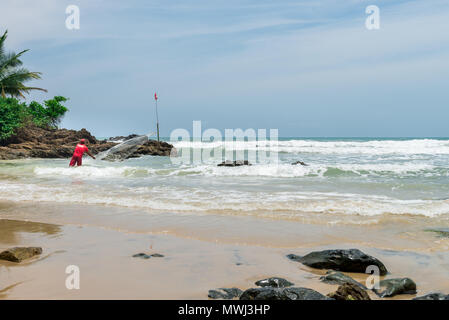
12, 75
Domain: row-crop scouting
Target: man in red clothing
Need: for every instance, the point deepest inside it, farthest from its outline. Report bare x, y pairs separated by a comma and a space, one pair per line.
77, 157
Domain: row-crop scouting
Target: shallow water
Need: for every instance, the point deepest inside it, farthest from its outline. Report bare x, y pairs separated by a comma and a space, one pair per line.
359, 181
381, 196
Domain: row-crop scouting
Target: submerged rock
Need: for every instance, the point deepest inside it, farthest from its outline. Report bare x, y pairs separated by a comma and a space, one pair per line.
292, 293
274, 283
433, 296
349, 291
225, 293
352, 260
396, 286
441, 232
147, 256
299, 162
236, 163
18, 254
335, 277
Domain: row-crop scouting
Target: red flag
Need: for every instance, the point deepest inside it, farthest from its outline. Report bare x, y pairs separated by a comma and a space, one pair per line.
155, 96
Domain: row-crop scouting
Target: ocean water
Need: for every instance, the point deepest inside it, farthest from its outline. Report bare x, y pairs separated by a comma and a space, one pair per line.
346, 181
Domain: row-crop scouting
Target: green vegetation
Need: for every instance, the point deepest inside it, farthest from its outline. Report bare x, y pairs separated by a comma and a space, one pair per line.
12, 75
15, 114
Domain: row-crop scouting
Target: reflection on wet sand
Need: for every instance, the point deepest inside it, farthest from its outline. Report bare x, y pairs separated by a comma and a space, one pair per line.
4, 291
10, 230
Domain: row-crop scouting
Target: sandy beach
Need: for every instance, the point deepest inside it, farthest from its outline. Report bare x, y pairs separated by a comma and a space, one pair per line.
196, 259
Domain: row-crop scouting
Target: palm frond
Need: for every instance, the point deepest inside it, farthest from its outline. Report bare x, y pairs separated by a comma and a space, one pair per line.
12, 77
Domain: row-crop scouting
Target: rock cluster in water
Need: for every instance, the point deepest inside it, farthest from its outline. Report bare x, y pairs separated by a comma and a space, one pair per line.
236, 163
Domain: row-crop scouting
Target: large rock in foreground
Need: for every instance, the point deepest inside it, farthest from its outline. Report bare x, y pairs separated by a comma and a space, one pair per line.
225, 293
274, 282
396, 286
349, 291
352, 260
18, 254
433, 296
295, 293
335, 277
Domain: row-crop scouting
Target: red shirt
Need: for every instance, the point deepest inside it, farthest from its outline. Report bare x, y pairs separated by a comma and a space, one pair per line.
79, 150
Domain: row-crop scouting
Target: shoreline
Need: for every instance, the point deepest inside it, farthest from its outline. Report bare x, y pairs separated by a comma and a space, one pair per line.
194, 261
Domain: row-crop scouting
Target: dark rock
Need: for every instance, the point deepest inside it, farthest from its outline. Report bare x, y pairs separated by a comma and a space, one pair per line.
225, 293
396, 286
299, 162
294, 257
236, 163
441, 232
141, 255
349, 291
146, 256
19, 254
433, 296
274, 283
292, 293
335, 277
352, 260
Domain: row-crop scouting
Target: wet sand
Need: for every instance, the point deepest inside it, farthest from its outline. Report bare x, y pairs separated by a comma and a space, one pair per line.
201, 252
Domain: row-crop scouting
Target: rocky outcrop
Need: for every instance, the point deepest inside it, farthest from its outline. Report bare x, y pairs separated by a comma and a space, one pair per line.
349, 291
225, 293
155, 148
236, 163
433, 296
299, 162
352, 260
18, 254
335, 277
292, 293
137, 147
396, 286
35, 142
274, 283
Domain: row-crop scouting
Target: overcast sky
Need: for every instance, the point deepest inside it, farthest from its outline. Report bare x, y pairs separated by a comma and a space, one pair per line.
305, 67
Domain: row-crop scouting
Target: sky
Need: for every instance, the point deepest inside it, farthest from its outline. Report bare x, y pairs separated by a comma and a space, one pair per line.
308, 68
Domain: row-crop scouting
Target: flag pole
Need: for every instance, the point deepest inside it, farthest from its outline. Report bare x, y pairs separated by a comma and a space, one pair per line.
157, 118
